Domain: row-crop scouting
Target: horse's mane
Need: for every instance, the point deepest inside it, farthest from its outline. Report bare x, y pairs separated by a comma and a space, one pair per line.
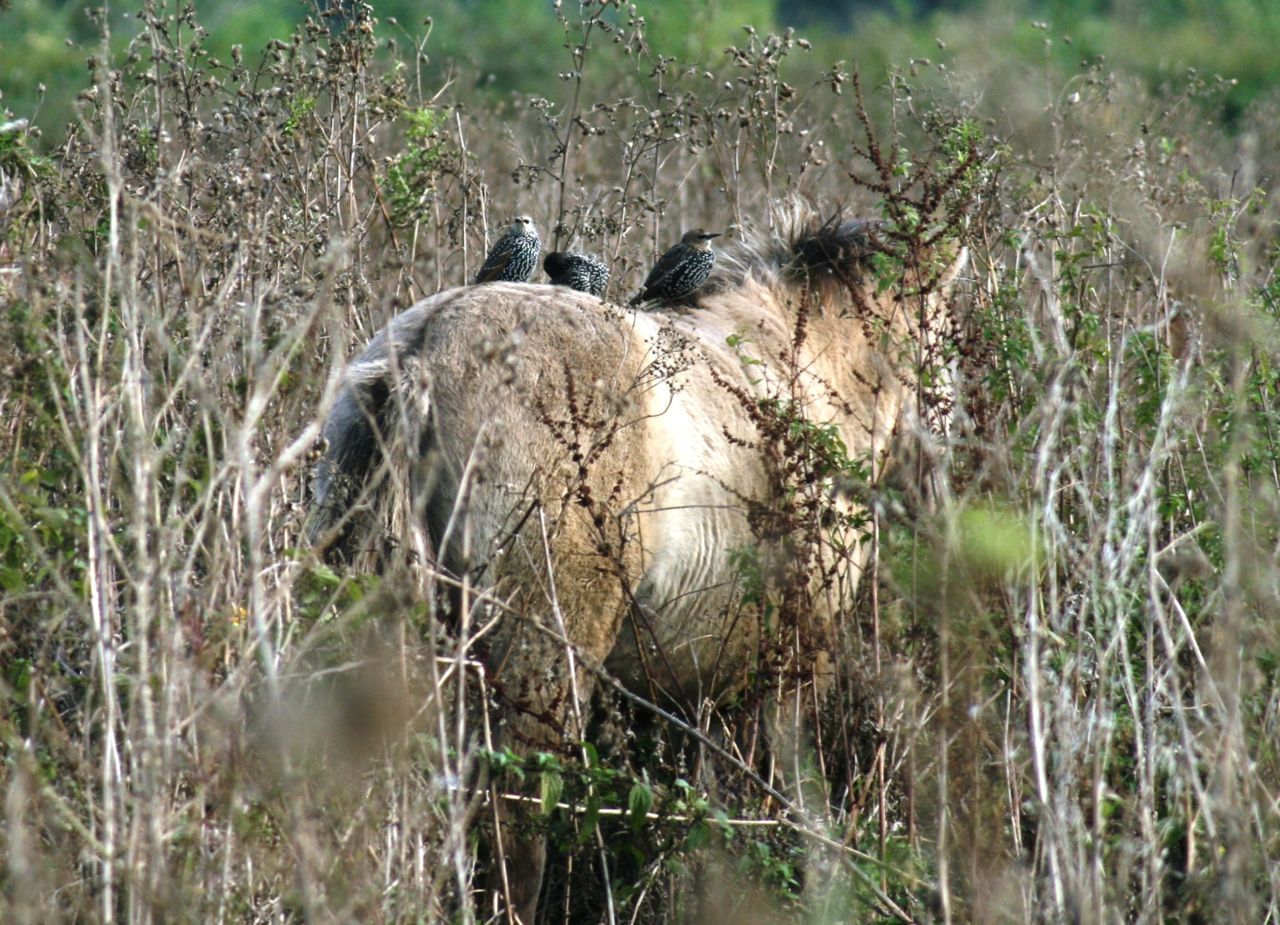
803, 251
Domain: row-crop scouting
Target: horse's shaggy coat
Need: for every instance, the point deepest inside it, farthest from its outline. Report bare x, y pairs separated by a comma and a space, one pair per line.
593, 468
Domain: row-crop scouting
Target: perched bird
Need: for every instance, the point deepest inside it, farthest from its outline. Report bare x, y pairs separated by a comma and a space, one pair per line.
577, 271
682, 269
513, 256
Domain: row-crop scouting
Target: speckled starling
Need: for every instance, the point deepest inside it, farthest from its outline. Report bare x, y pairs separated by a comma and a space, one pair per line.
513, 256
682, 269
577, 271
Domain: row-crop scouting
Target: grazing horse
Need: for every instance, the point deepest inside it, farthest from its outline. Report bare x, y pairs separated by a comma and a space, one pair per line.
603, 475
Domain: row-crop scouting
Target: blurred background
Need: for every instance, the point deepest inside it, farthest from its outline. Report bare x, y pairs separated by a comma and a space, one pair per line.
496, 48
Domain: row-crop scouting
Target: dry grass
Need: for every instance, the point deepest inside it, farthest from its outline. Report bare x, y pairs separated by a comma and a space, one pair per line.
1059, 698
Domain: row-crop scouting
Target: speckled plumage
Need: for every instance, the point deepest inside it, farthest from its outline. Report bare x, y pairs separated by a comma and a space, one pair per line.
577, 271
680, 270
514, 256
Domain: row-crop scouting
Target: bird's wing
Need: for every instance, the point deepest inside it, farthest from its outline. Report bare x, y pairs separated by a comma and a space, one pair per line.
496, 262
666, 263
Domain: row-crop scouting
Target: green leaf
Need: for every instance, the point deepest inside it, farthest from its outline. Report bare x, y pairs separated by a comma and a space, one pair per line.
721, 818
550, 785
325, 576
639, 802
699, 835
590, 820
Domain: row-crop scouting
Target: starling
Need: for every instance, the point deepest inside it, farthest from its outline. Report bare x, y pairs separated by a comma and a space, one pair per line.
514, 255
577, 271
682, 269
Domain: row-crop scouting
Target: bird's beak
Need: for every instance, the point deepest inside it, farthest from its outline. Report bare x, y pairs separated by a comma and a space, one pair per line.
712, 235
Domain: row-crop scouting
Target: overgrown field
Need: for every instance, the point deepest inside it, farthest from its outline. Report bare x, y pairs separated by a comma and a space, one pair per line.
1057, 699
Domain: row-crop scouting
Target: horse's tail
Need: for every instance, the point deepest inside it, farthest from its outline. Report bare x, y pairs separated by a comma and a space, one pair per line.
380, 414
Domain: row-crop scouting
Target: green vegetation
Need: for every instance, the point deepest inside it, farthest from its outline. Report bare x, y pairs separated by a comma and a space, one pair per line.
1059, 683
497, 50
